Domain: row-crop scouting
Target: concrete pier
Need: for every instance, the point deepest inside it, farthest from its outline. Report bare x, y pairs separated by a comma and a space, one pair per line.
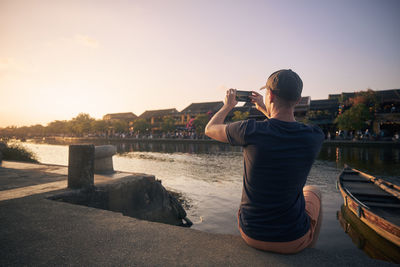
36, 231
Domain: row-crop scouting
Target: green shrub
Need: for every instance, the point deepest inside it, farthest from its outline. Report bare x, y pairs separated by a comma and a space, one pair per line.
17, 152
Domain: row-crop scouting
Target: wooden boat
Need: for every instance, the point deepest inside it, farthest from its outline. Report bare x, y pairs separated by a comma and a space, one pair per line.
376, 202
366, 239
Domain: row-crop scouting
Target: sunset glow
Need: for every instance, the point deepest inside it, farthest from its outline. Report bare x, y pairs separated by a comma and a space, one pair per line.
60, 58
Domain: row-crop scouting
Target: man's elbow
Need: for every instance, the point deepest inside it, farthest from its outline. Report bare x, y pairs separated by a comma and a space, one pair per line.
207, 131
216, 132
211, 131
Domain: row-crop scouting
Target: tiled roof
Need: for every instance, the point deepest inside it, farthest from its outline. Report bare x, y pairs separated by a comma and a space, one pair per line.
120, 116
303, 105
337, 96
324, 104
158, 113
304, 101
204, 107
392, 95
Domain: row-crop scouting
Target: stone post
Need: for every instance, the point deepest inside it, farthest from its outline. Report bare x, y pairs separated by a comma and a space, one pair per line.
81, 166
3, 147
103, 162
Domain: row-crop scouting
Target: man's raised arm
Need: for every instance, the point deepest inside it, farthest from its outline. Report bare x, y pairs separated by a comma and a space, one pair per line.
215, 128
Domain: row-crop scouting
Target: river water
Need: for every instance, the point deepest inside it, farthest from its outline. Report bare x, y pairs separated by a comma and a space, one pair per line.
209, 176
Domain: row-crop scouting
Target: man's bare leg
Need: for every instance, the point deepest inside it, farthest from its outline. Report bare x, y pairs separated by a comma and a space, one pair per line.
317, 192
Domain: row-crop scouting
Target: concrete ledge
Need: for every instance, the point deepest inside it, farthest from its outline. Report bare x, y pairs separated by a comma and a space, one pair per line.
37, 231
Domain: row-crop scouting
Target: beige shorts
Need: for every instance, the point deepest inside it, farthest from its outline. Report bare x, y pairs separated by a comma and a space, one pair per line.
313, 207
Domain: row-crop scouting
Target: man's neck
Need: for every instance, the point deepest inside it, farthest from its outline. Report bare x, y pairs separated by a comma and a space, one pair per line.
283, 115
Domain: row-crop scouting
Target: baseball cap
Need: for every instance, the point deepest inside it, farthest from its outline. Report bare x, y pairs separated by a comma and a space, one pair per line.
285, 84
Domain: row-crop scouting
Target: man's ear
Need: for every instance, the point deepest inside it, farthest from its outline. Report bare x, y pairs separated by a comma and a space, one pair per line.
271, 97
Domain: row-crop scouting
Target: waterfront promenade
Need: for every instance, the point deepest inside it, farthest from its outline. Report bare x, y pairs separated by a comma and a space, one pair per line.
71, 140
37, 231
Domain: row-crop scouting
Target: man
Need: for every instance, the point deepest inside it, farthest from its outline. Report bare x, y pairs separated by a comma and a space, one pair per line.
277, 212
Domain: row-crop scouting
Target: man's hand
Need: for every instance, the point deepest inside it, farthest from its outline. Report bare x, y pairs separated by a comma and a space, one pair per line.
230, 98
216, 127
257, 99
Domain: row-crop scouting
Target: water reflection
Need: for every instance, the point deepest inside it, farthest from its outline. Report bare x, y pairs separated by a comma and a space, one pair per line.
366, 239
337, 155
175, 147
382, 160
156, 145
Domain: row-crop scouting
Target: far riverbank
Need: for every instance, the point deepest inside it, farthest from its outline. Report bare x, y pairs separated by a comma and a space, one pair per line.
71, 140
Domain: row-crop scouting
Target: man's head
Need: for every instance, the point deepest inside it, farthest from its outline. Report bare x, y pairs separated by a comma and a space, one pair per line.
286, 86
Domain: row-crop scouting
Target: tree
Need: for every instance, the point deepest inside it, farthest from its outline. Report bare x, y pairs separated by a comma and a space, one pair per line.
81, 124
37, 130
354, 118
239, 116
8, 132
99, 126
57, 127
200, 123
69, 127
120, 126
141, 125
168, 124
22, 131
368, 98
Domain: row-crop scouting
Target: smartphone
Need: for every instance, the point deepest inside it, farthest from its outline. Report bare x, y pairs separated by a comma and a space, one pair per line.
243, 96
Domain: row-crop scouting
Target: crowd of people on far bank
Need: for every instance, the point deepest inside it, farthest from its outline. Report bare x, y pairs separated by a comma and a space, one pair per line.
177, 134
358, 135
366, 135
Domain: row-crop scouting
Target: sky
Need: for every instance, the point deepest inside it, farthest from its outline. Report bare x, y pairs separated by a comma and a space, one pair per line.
61, 58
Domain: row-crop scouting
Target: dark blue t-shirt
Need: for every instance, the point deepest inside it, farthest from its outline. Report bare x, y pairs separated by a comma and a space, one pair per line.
278, 156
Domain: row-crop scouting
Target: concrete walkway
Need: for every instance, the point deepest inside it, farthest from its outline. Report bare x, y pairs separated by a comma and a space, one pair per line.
38, 231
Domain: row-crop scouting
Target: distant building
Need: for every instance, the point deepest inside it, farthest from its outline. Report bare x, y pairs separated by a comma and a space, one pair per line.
127, 116
342, 96
247, 107
387, 116
325, 104
323, 112
301, 108
195, 109
388, 98
387, 119
157, 116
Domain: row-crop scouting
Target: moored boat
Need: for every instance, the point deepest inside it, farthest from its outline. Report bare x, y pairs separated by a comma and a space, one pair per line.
366, 239
376, 202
